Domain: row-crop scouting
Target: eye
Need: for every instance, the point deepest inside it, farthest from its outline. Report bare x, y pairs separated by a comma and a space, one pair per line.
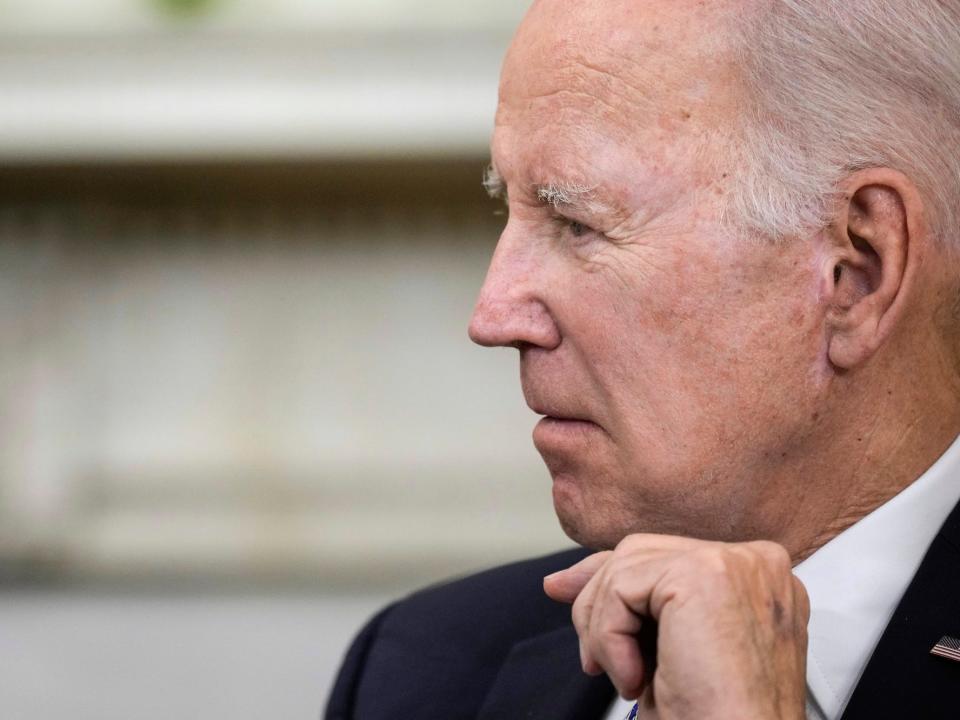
570, 229
575, 228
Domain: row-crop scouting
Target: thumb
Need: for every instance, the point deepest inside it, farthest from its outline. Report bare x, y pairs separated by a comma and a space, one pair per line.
564, 586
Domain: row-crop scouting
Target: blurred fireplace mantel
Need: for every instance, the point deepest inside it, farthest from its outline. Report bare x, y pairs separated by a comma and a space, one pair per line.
388, 78
237, 262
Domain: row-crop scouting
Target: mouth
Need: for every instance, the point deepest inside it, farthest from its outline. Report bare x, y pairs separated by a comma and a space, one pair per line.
563, 435
560, 428
556, 417
555, 414
552, 420
561, 420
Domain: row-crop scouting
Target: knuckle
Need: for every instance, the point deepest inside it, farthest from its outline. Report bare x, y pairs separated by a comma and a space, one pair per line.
802, 598
630, 544
615, 564
580, 614
759, 561
620, 575
772, 554
713, 561
617, 583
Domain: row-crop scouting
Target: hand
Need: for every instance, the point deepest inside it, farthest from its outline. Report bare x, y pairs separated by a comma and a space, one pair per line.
732, 635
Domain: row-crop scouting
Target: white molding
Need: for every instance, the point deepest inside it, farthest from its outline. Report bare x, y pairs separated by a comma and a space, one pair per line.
247, 96
94, 17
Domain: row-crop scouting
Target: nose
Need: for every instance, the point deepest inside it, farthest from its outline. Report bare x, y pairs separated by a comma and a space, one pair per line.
511, 310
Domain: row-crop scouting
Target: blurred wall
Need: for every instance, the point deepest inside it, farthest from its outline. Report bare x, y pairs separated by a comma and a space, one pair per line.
239, 247
258, 371
240, 241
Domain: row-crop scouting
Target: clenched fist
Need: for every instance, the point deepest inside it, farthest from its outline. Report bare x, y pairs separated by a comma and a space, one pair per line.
731, 626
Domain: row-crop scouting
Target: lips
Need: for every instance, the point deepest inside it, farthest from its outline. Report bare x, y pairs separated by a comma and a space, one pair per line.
562, 435
553, 413
558, 423
569, 423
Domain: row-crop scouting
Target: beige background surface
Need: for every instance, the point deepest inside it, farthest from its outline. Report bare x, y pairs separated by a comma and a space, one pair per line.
238, 408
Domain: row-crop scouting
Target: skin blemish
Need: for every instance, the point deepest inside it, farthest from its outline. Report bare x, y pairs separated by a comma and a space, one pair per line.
778, 612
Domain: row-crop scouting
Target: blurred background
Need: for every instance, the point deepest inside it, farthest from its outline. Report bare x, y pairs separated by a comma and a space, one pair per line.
240, 241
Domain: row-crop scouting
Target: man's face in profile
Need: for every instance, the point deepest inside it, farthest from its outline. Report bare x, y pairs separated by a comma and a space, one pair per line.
673, 359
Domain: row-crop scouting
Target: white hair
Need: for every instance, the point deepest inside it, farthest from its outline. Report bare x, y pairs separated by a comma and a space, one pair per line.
833, 86
563, 193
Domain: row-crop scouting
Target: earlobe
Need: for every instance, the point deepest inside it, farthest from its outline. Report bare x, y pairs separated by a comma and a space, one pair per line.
870, 239
853, 319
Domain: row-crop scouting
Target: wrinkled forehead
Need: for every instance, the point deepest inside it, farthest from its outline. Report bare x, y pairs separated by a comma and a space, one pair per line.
614, 92
629, 63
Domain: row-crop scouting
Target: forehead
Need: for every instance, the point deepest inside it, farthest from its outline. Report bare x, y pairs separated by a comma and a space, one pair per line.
631, 47
585, 83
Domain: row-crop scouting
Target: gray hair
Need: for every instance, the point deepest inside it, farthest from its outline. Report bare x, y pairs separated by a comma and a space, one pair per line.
833, 86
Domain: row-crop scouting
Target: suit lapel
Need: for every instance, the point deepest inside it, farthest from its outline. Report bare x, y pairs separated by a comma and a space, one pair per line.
541, 679
902, 679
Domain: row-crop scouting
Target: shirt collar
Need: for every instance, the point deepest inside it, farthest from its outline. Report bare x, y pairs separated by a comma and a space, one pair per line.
856, 580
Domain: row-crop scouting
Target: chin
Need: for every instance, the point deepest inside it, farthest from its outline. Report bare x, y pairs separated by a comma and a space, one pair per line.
594, 524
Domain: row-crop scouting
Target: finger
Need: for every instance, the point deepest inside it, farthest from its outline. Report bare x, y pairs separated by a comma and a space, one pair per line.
587, 663
801, 600
646, 542
566, 585
613, 640
619, 656
581, 614
801, 603
620, 628
648, 705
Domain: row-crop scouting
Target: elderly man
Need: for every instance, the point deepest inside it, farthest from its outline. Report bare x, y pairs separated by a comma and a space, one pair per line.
731, 272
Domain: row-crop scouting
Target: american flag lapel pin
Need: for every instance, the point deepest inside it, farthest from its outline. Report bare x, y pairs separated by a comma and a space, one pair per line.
947, 647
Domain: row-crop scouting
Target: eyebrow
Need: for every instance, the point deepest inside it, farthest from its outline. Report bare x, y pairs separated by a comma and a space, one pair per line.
560, 195
566, 195
493, 183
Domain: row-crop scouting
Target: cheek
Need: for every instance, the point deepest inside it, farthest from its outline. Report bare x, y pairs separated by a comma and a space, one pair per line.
703, 357
742, 380
681, 339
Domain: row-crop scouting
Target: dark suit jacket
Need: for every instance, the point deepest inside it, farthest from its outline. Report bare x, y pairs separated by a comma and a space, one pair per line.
494, 647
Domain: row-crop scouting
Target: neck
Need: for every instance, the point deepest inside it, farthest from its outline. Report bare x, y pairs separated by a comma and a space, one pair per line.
887, 429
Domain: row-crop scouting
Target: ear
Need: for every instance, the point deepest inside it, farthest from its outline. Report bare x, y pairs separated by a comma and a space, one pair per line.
875, 241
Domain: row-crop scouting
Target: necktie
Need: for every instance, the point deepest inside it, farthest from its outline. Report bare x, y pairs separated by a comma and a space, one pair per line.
633, 712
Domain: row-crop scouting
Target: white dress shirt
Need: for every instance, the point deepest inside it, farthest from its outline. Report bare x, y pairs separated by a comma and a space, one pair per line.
856, 580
